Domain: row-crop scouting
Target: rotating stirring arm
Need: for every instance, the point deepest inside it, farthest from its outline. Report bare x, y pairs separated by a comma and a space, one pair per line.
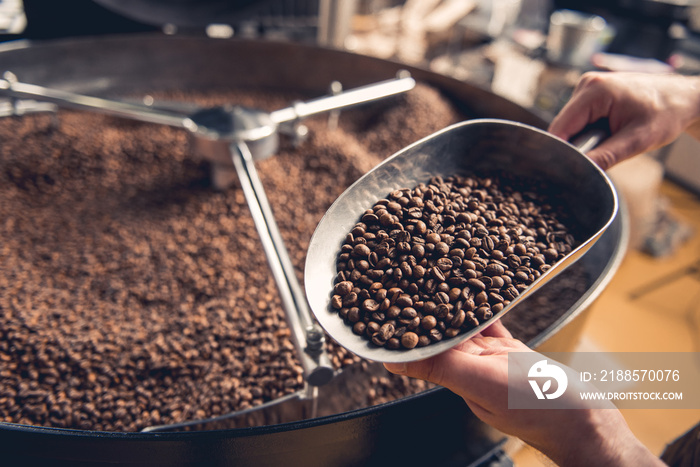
314, 359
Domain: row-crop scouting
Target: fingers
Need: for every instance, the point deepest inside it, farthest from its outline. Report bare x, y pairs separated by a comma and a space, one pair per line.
569, 121
587, 105
471, 376
636, 137
613, 150
497, 329
473, 369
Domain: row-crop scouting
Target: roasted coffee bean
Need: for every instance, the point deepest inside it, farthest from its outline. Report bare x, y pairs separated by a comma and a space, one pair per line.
435, 335
441, 249
409, 340
442, 311
494, 269
370, 305
386, 331
444, 264
521, 276
353, 314
372, 328
458, 319
408, 313
551, 254
481, 298
393, 312
497, 254
404, 300
393, 344
483, 312
497, 282
361, 251
510, 293
495, 298
350, 300
476, 284
457, 281
469, 304
411, 325
378, 316
359, 328
442, 298
394, 207
418, 272
375, 275
377, 340
432, 238
384, 304
423, 340
344, 288
437, 274
457, 253
428, 322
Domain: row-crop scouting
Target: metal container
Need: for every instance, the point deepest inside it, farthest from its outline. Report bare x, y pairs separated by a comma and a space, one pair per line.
116, 66
574, 37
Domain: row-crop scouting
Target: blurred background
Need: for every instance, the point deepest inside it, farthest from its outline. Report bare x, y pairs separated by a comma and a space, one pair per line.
531, 52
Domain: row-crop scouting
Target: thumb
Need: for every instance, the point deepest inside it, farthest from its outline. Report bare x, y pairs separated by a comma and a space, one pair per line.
624, 144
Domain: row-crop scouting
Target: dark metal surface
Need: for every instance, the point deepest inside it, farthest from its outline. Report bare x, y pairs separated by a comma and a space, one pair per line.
435, 428
189, 13
436, 424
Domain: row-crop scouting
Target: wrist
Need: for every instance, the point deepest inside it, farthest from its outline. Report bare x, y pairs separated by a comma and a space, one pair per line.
693, 125
602, 438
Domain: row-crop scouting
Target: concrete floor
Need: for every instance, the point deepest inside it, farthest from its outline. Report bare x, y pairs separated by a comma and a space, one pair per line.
663, 318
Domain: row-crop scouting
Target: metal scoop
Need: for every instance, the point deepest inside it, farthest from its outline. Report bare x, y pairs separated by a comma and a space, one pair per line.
476, 145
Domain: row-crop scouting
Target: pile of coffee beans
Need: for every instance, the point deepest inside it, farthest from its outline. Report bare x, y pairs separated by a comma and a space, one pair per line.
133, 294
430, 262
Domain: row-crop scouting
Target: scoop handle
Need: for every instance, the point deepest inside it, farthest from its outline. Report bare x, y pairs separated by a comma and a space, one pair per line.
592, 135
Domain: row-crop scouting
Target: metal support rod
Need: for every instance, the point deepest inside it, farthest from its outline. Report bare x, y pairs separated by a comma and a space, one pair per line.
10, 86
306, 334
345, 99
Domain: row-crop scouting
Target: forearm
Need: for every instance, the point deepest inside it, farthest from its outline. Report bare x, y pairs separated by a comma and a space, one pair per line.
598, 437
